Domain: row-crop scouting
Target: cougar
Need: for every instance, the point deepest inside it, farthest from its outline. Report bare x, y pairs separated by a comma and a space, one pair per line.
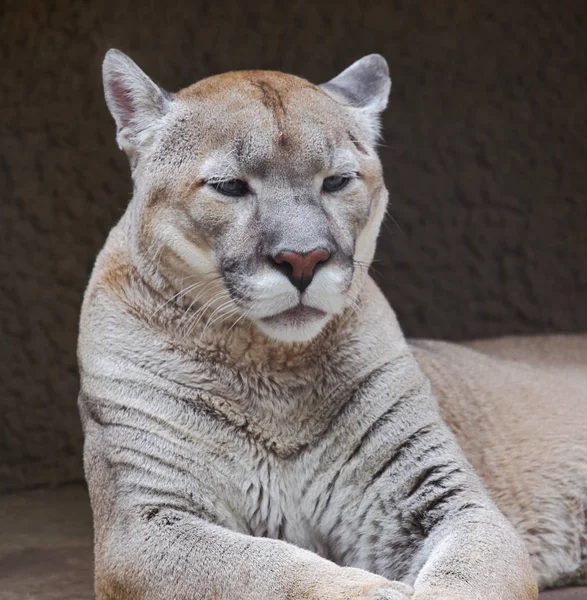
256, 425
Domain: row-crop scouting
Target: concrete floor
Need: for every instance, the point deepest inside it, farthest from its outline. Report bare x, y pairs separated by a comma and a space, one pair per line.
46, 547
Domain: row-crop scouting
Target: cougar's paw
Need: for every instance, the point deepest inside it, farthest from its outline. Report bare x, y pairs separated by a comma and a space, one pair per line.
356, 584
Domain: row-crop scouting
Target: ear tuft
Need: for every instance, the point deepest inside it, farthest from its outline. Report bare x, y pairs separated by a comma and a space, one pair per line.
364, 85
134, 100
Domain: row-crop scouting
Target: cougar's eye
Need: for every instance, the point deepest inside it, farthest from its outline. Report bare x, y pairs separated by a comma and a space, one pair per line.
230, 187
335, 182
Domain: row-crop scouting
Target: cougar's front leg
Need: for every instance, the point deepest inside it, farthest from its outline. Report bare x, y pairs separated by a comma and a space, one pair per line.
165, 554
401, 500
470, 551
467, 550
476, 556
161, 529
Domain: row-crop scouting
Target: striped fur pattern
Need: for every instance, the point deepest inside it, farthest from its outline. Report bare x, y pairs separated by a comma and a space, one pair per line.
233, 451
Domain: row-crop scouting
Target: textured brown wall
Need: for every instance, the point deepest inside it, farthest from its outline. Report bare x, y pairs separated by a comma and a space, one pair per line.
485, 155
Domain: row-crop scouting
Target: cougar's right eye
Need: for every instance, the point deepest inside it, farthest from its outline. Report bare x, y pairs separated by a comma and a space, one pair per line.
230, 187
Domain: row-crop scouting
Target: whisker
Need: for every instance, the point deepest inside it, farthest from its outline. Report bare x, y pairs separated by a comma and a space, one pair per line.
199, 314
159, 252
211, 320
228, 165
378, 144
218, 320
201, 311
181, 293
245, 314
355, 307
198, 296
366, 267
394, 221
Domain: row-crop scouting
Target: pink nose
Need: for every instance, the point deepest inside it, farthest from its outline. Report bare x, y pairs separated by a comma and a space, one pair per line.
300, 268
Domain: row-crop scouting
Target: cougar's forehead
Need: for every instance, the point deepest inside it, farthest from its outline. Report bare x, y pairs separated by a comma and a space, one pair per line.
263, 118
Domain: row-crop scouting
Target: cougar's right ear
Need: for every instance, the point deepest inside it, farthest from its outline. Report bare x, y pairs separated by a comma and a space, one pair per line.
135, 101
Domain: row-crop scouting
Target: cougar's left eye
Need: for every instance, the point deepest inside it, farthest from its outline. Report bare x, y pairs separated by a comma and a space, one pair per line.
335, 182
230, 187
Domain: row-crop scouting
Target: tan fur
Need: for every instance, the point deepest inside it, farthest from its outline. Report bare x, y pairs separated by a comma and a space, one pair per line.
519, 409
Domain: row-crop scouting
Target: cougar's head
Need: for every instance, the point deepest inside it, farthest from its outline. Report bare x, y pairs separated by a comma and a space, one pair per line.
257, 193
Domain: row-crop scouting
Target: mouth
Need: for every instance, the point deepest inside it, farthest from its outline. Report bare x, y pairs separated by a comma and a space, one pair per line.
296, 316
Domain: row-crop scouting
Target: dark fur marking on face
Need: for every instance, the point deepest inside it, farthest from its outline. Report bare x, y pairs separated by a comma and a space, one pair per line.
239, 149
196, 185
156, 196
273, 101
357, 144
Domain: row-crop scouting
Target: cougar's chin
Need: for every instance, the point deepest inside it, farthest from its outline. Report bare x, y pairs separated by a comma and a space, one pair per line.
298, 324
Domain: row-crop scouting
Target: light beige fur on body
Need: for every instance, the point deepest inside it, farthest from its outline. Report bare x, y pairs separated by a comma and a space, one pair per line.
256, 426
518, 407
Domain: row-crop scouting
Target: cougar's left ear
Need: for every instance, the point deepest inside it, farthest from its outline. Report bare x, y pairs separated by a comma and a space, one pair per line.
364, 85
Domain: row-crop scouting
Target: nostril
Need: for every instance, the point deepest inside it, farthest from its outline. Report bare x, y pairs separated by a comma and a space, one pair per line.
299, 268
282, 265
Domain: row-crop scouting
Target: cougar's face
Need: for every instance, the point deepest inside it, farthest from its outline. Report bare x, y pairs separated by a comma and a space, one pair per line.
264, 192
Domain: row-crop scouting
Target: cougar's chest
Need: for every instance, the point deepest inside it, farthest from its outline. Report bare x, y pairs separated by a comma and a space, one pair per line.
267, 444
273, 503
281, 414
